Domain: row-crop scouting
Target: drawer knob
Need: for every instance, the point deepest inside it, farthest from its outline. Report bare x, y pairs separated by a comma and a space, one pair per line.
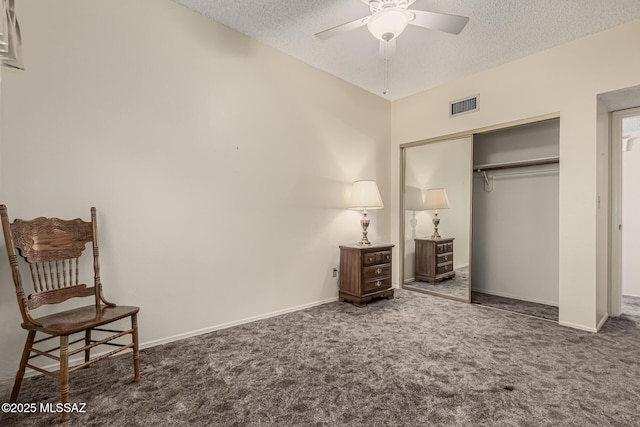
378, 270
378, 283
370, 259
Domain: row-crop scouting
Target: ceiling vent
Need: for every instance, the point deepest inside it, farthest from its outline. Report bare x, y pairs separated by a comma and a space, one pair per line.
463, 106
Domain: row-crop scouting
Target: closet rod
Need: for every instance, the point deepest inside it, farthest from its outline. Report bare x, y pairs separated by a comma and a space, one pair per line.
518, 164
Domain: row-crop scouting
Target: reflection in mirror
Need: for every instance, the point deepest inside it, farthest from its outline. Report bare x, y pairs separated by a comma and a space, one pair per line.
437, 218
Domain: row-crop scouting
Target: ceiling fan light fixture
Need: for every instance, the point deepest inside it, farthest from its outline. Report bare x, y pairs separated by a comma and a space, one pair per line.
388, 24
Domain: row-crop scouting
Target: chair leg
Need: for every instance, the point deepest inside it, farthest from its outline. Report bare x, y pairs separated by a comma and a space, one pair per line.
136, 356
64, 374
23, 364
87, 341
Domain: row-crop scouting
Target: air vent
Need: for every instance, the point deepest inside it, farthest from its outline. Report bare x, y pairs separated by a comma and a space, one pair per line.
463, 106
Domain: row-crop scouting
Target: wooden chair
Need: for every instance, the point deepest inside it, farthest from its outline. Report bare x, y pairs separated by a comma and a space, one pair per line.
52, 249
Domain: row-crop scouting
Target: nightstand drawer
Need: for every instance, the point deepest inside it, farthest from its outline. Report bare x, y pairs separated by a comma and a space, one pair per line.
444, 268
376, 285
448, 257
444, 248
373, 258
377, 271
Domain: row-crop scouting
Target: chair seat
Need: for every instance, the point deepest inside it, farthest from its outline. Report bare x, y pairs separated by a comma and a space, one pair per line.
80, 319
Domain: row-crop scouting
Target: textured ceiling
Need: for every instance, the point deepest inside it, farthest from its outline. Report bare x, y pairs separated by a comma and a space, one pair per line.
498, 31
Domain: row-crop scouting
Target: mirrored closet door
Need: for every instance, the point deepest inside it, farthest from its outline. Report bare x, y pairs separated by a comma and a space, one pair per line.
436, 217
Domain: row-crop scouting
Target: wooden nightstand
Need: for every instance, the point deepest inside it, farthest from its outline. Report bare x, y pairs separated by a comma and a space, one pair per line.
365, 273
434, 259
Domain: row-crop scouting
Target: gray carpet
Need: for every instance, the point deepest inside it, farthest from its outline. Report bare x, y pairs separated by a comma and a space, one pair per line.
631, 305
457, 287
543, 311
416, 360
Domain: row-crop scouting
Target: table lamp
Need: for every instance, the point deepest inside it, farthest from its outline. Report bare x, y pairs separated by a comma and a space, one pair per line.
364, 196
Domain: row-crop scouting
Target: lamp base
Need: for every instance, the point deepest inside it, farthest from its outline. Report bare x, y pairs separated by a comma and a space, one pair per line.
364, 222
436, 222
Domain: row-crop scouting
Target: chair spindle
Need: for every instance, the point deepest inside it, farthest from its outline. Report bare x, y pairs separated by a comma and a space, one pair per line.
58, 274
34, 280
64, 271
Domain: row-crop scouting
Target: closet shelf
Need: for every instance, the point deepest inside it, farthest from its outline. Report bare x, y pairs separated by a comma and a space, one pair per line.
516, 164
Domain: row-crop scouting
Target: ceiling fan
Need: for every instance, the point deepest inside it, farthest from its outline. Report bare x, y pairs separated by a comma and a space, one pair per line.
388, 20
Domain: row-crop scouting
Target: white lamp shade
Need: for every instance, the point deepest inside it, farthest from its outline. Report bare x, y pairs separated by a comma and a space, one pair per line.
388, 24
365, 195
436, 198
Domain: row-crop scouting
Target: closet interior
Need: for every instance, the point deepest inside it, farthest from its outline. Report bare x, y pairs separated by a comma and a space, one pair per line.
515, 211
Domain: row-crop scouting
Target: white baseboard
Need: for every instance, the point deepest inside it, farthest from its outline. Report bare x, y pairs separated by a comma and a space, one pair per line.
602, 321
630, 295
153, 343
576, 326
521, 298
234, 323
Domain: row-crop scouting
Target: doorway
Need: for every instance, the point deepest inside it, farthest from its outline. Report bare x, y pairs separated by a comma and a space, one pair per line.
625, 167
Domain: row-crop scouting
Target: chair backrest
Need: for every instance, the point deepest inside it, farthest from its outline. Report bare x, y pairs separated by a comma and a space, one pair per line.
52, 248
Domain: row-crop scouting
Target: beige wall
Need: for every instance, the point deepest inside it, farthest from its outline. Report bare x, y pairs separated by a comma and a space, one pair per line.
220, 167
564, 80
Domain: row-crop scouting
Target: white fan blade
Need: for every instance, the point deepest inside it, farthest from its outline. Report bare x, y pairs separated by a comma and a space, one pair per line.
342, 28
439, 21
388, 49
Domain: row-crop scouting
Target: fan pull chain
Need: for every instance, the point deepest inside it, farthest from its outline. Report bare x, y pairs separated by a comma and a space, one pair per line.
386, 69
386, 77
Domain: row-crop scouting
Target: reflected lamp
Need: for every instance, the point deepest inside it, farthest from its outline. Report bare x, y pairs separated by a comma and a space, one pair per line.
436, 198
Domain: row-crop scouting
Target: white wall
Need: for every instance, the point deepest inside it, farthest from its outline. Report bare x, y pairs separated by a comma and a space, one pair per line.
220, 167
442, 164
515, 219
565, 80
630, 215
